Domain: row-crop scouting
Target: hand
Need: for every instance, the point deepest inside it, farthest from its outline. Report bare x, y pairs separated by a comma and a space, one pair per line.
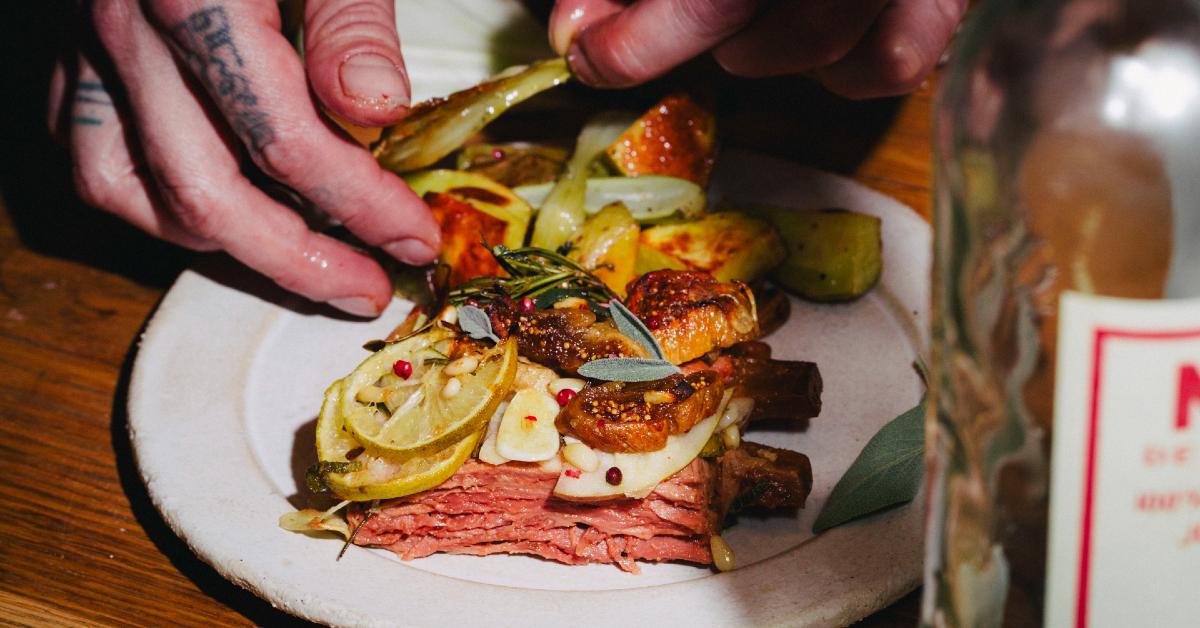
857, 48
159, 111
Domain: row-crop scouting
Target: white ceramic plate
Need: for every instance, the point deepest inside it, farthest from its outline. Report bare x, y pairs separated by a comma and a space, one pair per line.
228, 381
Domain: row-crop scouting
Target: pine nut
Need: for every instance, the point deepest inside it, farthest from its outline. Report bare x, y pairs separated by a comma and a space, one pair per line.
581, 457
449, 315
462, 366
451, 388
562, 383
570, 303
723, 557
658, 396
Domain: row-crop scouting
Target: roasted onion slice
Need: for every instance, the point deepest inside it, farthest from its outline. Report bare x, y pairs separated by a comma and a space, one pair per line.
632, 417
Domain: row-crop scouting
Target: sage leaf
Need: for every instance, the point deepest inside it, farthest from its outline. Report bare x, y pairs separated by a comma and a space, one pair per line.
887, 472
476, 323
628, 369
629, 324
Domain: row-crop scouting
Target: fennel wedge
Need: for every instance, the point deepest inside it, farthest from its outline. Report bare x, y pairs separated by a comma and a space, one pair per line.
437, 128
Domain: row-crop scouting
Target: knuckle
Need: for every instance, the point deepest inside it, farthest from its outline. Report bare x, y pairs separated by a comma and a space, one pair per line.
285, 157
93, 188
899, 66
706, 18
195, 207
362, 19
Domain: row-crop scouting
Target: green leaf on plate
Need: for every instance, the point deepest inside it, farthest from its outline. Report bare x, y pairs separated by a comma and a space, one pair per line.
887, 472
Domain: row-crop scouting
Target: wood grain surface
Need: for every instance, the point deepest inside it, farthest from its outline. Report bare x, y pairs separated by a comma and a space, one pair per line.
80, 542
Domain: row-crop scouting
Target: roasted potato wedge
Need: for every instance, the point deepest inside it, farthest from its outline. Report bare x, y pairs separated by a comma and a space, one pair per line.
727, 245
675, 137
472, 210
608, 245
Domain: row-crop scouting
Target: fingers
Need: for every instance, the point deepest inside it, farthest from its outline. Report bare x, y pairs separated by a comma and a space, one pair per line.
105, 173
201, 184
899, 51
796, 37
569, 17
258, 84
353, 58
653, 36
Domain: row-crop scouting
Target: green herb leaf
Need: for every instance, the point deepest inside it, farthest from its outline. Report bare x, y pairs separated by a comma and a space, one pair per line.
476, 323
887, 472
628, 369
533, 272
630, 325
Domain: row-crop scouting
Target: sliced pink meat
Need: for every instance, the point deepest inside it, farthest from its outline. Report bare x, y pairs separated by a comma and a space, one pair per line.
486, 509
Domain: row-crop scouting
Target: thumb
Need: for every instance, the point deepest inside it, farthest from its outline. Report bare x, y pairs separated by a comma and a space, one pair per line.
352, 54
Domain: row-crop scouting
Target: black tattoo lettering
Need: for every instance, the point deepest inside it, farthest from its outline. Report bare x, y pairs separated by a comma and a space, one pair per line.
90, 100
208, 48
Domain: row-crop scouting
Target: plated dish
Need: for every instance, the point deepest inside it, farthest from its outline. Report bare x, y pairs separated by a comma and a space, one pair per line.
222, 455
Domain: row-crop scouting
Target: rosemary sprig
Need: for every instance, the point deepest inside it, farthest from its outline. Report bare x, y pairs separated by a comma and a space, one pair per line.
533, 272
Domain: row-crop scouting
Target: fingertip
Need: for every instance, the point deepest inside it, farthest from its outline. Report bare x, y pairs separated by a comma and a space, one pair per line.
367, 307
368, 89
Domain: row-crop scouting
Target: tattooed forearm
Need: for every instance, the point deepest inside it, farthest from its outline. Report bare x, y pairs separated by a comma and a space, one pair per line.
90, 100
208, 47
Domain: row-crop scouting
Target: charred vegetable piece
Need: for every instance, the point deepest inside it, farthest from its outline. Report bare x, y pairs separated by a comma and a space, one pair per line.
607, 245
434, 129
757, 476
566, 339
630, 417
472, 210
651, 199
514, 164
727, 245
833, 254
675, 137
562, 213
691, 313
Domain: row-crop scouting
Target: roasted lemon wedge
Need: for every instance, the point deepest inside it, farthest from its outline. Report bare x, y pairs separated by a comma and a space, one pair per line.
406, 400
369, 476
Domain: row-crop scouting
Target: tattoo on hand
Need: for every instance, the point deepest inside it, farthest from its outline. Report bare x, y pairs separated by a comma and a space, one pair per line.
208, 48
90, 98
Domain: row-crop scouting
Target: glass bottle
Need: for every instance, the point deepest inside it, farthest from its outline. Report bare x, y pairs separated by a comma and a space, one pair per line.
1067, 143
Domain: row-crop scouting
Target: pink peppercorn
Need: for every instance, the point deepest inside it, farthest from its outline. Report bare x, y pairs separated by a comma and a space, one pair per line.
564, 397
402, 369
613, 476
572, 473
654, 322
527, 304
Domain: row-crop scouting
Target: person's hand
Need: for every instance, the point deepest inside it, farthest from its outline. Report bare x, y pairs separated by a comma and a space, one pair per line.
856, 48
158, 113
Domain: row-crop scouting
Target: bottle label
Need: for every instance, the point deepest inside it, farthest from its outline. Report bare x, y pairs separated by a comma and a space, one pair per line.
1124, 546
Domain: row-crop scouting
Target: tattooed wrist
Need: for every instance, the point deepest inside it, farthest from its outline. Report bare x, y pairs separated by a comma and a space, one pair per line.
206, 42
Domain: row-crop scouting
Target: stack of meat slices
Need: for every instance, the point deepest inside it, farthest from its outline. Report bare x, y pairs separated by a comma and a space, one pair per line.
492, 509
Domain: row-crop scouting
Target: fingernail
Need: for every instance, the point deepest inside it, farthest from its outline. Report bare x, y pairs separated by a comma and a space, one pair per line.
411, 251
358, 306
369, 76
562, 29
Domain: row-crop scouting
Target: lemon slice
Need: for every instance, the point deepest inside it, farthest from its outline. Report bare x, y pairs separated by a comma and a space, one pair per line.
442, 410
384, 478
380, 477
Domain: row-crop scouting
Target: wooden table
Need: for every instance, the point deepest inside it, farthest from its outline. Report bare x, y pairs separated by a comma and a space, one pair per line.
80, 542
